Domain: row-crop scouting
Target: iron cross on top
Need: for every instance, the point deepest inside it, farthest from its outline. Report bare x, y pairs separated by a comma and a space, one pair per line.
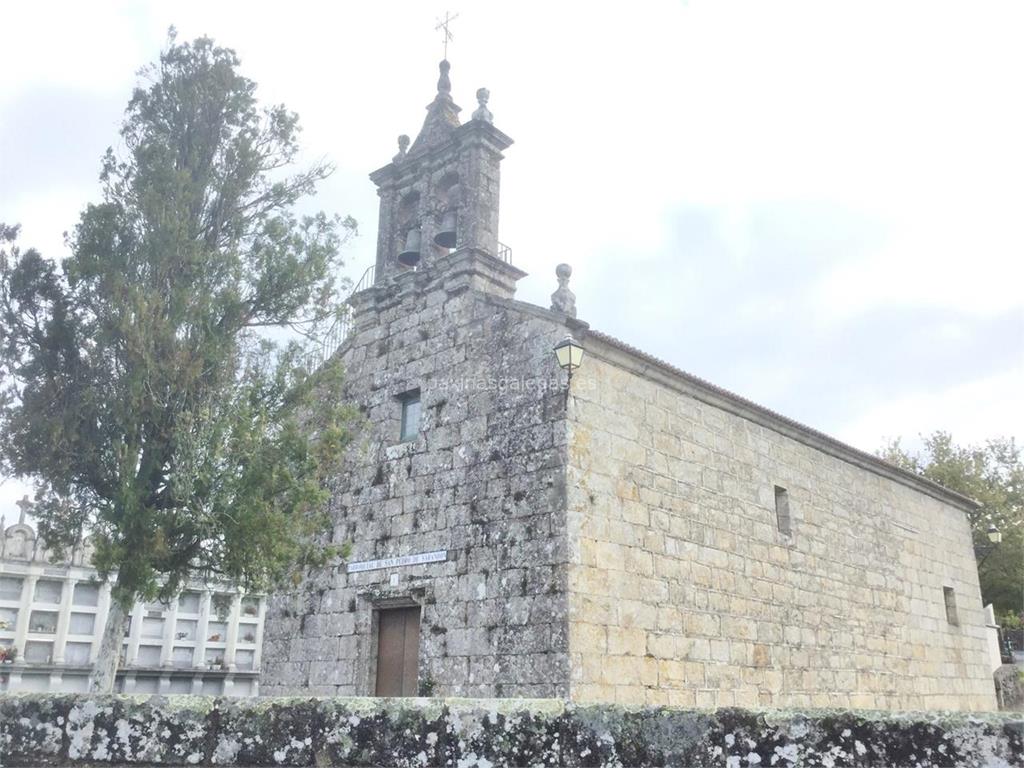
443, 24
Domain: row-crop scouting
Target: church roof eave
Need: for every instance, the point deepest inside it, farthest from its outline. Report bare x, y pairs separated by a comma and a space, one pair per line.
475, 130
705, 391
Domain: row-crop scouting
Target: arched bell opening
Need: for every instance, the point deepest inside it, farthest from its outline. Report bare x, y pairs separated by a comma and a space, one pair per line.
447, 236
409, 256
409, 230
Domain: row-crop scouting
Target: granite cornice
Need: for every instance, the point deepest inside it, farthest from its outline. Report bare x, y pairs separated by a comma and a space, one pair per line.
618, 353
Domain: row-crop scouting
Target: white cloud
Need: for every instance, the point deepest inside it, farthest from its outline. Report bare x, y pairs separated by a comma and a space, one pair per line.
972, 412
900, 113
71, 44
960, 259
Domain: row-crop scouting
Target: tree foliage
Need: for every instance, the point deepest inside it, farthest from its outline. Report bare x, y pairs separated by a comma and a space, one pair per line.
992, 474
143, 394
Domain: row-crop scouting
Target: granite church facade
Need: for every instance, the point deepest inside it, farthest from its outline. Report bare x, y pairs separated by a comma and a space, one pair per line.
636, 535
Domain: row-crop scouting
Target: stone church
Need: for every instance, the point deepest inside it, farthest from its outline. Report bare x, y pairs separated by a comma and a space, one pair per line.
634, 534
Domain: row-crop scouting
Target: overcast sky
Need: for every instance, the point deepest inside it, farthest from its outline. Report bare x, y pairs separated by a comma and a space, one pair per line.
816, 205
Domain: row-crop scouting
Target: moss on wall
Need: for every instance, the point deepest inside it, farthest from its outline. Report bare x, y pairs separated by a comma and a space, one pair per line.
61, 730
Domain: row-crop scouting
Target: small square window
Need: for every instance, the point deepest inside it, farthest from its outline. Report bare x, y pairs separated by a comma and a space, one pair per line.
410, 415
10, 588
186, 629
37, 652
949, 596
220, 605
244, 660
8, 619
77, 653
43, 622
48, 591
82, 623
188, 602
86, 594
782, 516
149, 656
152, 628
216, 632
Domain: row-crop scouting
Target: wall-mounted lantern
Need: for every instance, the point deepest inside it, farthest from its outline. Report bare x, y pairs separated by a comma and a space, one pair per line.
994, 534
570, 354
995, 537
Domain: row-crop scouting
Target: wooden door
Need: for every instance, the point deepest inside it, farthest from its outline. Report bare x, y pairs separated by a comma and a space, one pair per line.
398, 651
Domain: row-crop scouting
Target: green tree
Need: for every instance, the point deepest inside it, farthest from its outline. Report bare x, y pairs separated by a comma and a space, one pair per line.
145, 395
993, 475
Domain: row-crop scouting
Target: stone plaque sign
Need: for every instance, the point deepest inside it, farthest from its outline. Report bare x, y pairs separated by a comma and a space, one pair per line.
394, 562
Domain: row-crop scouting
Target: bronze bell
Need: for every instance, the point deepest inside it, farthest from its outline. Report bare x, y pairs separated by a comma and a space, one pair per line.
410, 255
445, 236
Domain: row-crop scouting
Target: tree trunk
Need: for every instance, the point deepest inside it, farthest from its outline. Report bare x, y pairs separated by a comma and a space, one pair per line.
101, 679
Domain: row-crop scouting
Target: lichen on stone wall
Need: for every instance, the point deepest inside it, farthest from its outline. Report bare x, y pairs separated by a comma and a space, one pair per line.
483, 480
70, 730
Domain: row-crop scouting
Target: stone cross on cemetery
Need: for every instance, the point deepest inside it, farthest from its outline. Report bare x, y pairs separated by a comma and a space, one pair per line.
24, 506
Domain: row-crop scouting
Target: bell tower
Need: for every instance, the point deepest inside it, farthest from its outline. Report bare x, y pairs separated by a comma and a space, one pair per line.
439, 196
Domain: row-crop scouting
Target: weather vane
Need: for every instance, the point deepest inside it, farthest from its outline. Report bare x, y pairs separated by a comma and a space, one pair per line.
443, 24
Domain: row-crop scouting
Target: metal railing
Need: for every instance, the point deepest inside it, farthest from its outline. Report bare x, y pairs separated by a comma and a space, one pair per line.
365, 281
504, 251
338, 332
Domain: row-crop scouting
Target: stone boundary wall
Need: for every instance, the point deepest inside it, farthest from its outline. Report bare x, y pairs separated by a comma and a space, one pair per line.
79, 730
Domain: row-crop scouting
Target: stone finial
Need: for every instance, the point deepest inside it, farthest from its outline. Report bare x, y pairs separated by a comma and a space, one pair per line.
482, 112
442, 115
403, 147
444, 85
564, 300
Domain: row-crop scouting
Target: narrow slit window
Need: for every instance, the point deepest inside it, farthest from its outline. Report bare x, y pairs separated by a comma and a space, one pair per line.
782, 517
410, 415
949, 596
